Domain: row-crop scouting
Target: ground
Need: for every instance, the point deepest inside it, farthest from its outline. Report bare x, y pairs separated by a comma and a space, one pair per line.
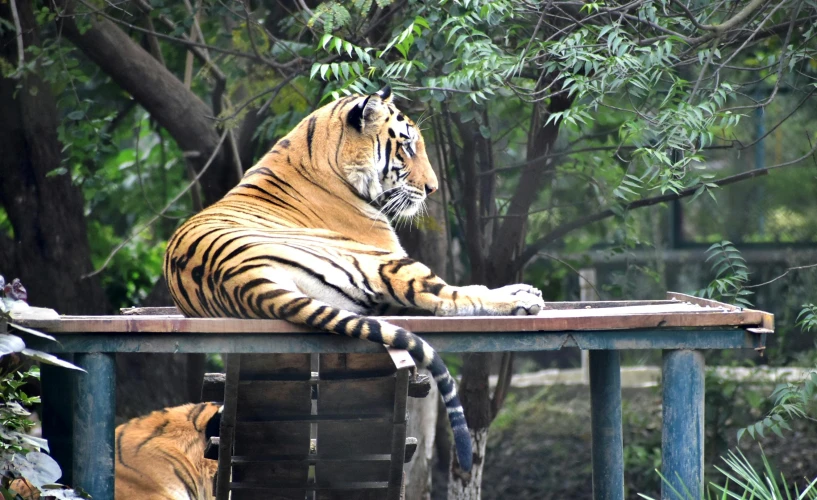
539, 446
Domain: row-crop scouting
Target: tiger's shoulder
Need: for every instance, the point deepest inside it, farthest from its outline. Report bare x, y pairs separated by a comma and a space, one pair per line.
161, 455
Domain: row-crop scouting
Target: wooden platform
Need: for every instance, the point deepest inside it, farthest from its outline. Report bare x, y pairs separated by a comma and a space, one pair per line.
681, 325
679, 311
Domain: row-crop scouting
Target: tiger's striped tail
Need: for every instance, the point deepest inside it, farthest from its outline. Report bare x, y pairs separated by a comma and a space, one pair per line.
298, 308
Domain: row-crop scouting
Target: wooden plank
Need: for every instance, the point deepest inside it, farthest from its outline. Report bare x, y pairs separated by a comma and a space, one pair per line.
398, 443
349, 365
276, 367
232, 364
254, 438
596, 304
647, 338
351, 470
262, 400
401, 359
288, 471
700, 301
371, 494
551, 320
358, 396
355, 437
279, 494
150, 311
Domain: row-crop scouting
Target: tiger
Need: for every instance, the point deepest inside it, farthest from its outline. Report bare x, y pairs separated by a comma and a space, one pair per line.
160, 456
306, 236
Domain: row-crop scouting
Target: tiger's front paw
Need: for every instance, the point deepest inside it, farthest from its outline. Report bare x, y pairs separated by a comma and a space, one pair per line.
519, 288
518, 300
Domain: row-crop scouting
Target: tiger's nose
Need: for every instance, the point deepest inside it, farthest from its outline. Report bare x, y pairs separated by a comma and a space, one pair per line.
430, 188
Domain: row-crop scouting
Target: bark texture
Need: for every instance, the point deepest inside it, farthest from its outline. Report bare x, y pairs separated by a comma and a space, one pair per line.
422, 425
49, 249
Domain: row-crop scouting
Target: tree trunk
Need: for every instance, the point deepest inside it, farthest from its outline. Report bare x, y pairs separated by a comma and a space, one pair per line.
422, 425
469, 486
49, 251
474, 390
495, 271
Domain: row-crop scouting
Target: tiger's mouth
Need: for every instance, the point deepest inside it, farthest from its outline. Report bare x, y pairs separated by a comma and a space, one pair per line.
401, 201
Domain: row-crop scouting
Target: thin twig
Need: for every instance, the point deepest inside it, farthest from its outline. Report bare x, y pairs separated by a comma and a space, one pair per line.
796, 268
580, 275
149, 223
21, 48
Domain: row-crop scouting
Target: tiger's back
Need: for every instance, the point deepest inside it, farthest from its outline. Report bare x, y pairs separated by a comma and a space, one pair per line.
160, 456
306, 237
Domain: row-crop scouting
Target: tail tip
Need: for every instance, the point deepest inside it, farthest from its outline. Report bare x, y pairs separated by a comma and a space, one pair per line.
465, 455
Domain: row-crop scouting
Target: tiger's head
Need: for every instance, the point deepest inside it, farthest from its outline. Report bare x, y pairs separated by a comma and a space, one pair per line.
383, 155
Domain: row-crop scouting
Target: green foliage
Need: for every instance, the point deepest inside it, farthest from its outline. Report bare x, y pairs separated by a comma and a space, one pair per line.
747, 482
731, 275
21, 454
791, 401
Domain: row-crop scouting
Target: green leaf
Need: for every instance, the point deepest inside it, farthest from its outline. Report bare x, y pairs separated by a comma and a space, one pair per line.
50, 359
76, 115
32, 331
10, 344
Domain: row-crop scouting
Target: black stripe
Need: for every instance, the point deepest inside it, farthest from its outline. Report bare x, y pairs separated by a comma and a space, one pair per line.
311, 319
194, 413
310, 134
410, 292
306, 270
388, 157
294, 307
387, 282
328, 319
158, 431
119, 447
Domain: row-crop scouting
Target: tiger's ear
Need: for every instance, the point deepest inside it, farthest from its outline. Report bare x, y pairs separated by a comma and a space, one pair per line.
370, 111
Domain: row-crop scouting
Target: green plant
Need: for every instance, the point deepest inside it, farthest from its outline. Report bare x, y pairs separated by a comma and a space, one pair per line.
747, 483
731, 275
792, 400
23, 456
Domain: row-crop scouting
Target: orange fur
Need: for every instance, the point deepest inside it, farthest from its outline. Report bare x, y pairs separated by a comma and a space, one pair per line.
160, 456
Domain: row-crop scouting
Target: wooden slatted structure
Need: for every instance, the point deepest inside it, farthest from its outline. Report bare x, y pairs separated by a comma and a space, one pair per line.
312, 426
320, 426
301, 426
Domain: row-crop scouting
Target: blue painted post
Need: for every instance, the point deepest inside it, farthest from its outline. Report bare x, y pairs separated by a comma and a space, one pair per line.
683, 432
607, 444
94, 409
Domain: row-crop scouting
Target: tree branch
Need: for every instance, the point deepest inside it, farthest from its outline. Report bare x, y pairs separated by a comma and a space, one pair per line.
156, 217
736, 19
186, 117
568, 227
21, 49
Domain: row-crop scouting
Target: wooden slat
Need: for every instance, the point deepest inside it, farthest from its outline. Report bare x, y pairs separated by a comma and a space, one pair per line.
263, 400
547, 321
254, 438
402, 359
275, 367
346, 365
232, 364
700, 301
355, 437
366, 396
150, 311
